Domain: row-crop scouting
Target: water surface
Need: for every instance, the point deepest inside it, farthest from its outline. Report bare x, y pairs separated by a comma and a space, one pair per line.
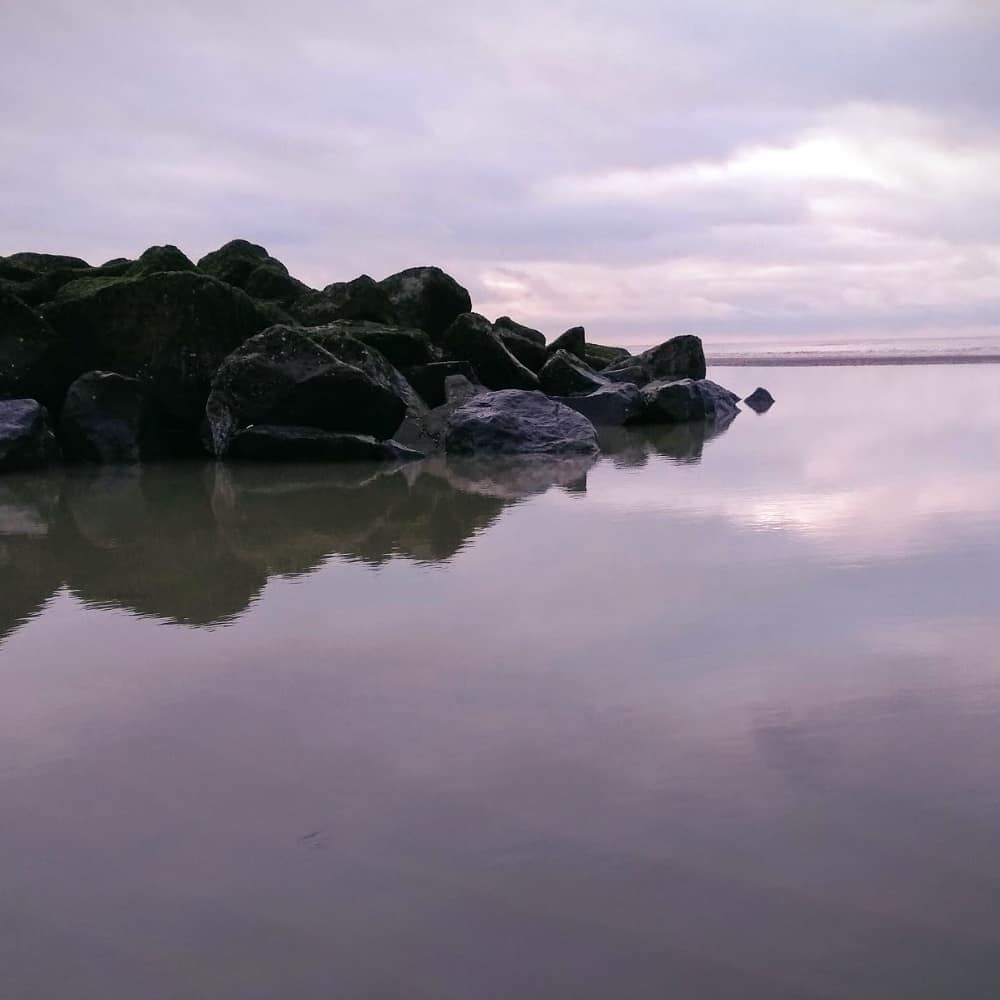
718, 717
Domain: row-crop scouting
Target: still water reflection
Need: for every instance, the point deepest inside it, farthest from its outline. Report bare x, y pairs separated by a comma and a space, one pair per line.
718, 716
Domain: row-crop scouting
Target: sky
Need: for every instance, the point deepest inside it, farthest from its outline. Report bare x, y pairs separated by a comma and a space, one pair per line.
645, 167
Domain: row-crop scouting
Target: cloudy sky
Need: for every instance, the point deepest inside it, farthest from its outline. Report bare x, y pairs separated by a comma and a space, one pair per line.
645, 167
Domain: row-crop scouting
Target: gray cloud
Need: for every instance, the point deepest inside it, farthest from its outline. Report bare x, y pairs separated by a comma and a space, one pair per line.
731, 168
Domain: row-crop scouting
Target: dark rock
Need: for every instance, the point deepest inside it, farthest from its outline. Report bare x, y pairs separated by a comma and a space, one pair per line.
599, 356
157, 259
471, 338
429, 380
269, 442
427, 298
282, 376
629, 374
511, 477
609, 406
44, 285
506, 323
516, 422
458, 390
26, 342
44, 263
271, 282
234, 262
26, 438
403, 347
171, 330
760, 400
679, 357
120, 264
573, 340
565, 374
630, 447
527, 345
686, 400
102, 419
363, 298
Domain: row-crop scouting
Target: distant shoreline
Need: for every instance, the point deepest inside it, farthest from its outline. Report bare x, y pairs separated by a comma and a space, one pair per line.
834, 360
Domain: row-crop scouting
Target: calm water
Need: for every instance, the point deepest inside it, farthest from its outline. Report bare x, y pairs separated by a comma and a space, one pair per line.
711, 719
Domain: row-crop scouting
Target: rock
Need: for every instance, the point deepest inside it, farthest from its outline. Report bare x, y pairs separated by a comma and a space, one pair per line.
679, 357
630, 447
26, 438
512, 477
282, 376
599, 356
630, 373
363, 298
45, 263
427, 298
102, 419
515, 422
120, 264
760, 400
609, 406
170, 330
471, 338
234, 262
430, 380
527, 345
686, 400
403, 347
26, 342
458, 390
37, 287
573, 341
271, 282
306, 444
565, 374
157, 259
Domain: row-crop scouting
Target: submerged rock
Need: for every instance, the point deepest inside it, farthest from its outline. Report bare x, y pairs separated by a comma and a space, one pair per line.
26, 438
471, 338
677, 358
675, 402
611, 405
513, 421
427, 298
270, 442
565, 374
760, 400
102, 419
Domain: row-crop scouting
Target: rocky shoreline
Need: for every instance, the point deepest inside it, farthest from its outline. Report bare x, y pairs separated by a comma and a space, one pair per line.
234, 358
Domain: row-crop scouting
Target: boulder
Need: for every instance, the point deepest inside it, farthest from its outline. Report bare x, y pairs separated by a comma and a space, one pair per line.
599, 356
573, 340
362, 298
157, 259
403, 347
760, 400
271, 282
427, 298
471, 338
234, 262
269, 442
679, 357
527, 345
102, 419
515, 422
430, 380
171, 330
565, 374
506, 323
45, 263
26, 342
26, 438
611, 405
675, 402
37, 287
630, 373
282, 376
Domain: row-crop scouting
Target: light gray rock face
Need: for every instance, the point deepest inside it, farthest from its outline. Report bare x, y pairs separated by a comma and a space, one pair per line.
427, 298
760, 400
677, 358
565, 374
471, 338
282, 376
609, 406
101, 419
273, 443
573, 340
515, 422
26, 438
685, 400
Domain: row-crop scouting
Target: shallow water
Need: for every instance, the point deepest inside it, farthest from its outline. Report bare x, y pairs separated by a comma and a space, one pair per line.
711, 719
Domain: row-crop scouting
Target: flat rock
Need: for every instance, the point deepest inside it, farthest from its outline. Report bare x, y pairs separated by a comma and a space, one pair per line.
269, 442
471, 338
515, 422
26, 438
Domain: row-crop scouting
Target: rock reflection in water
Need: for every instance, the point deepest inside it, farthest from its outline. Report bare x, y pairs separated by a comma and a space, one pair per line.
631, 447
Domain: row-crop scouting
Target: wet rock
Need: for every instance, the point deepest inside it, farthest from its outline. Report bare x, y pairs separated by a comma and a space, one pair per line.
573, 340
429, 380
609, 406
26, 438
513, 421
26, 344
677, 358
363, 298
760, 400
427, 298
685, 400
471, 338
565, 374
527, 345
268, 442
159, 258
282, 376
102, 419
